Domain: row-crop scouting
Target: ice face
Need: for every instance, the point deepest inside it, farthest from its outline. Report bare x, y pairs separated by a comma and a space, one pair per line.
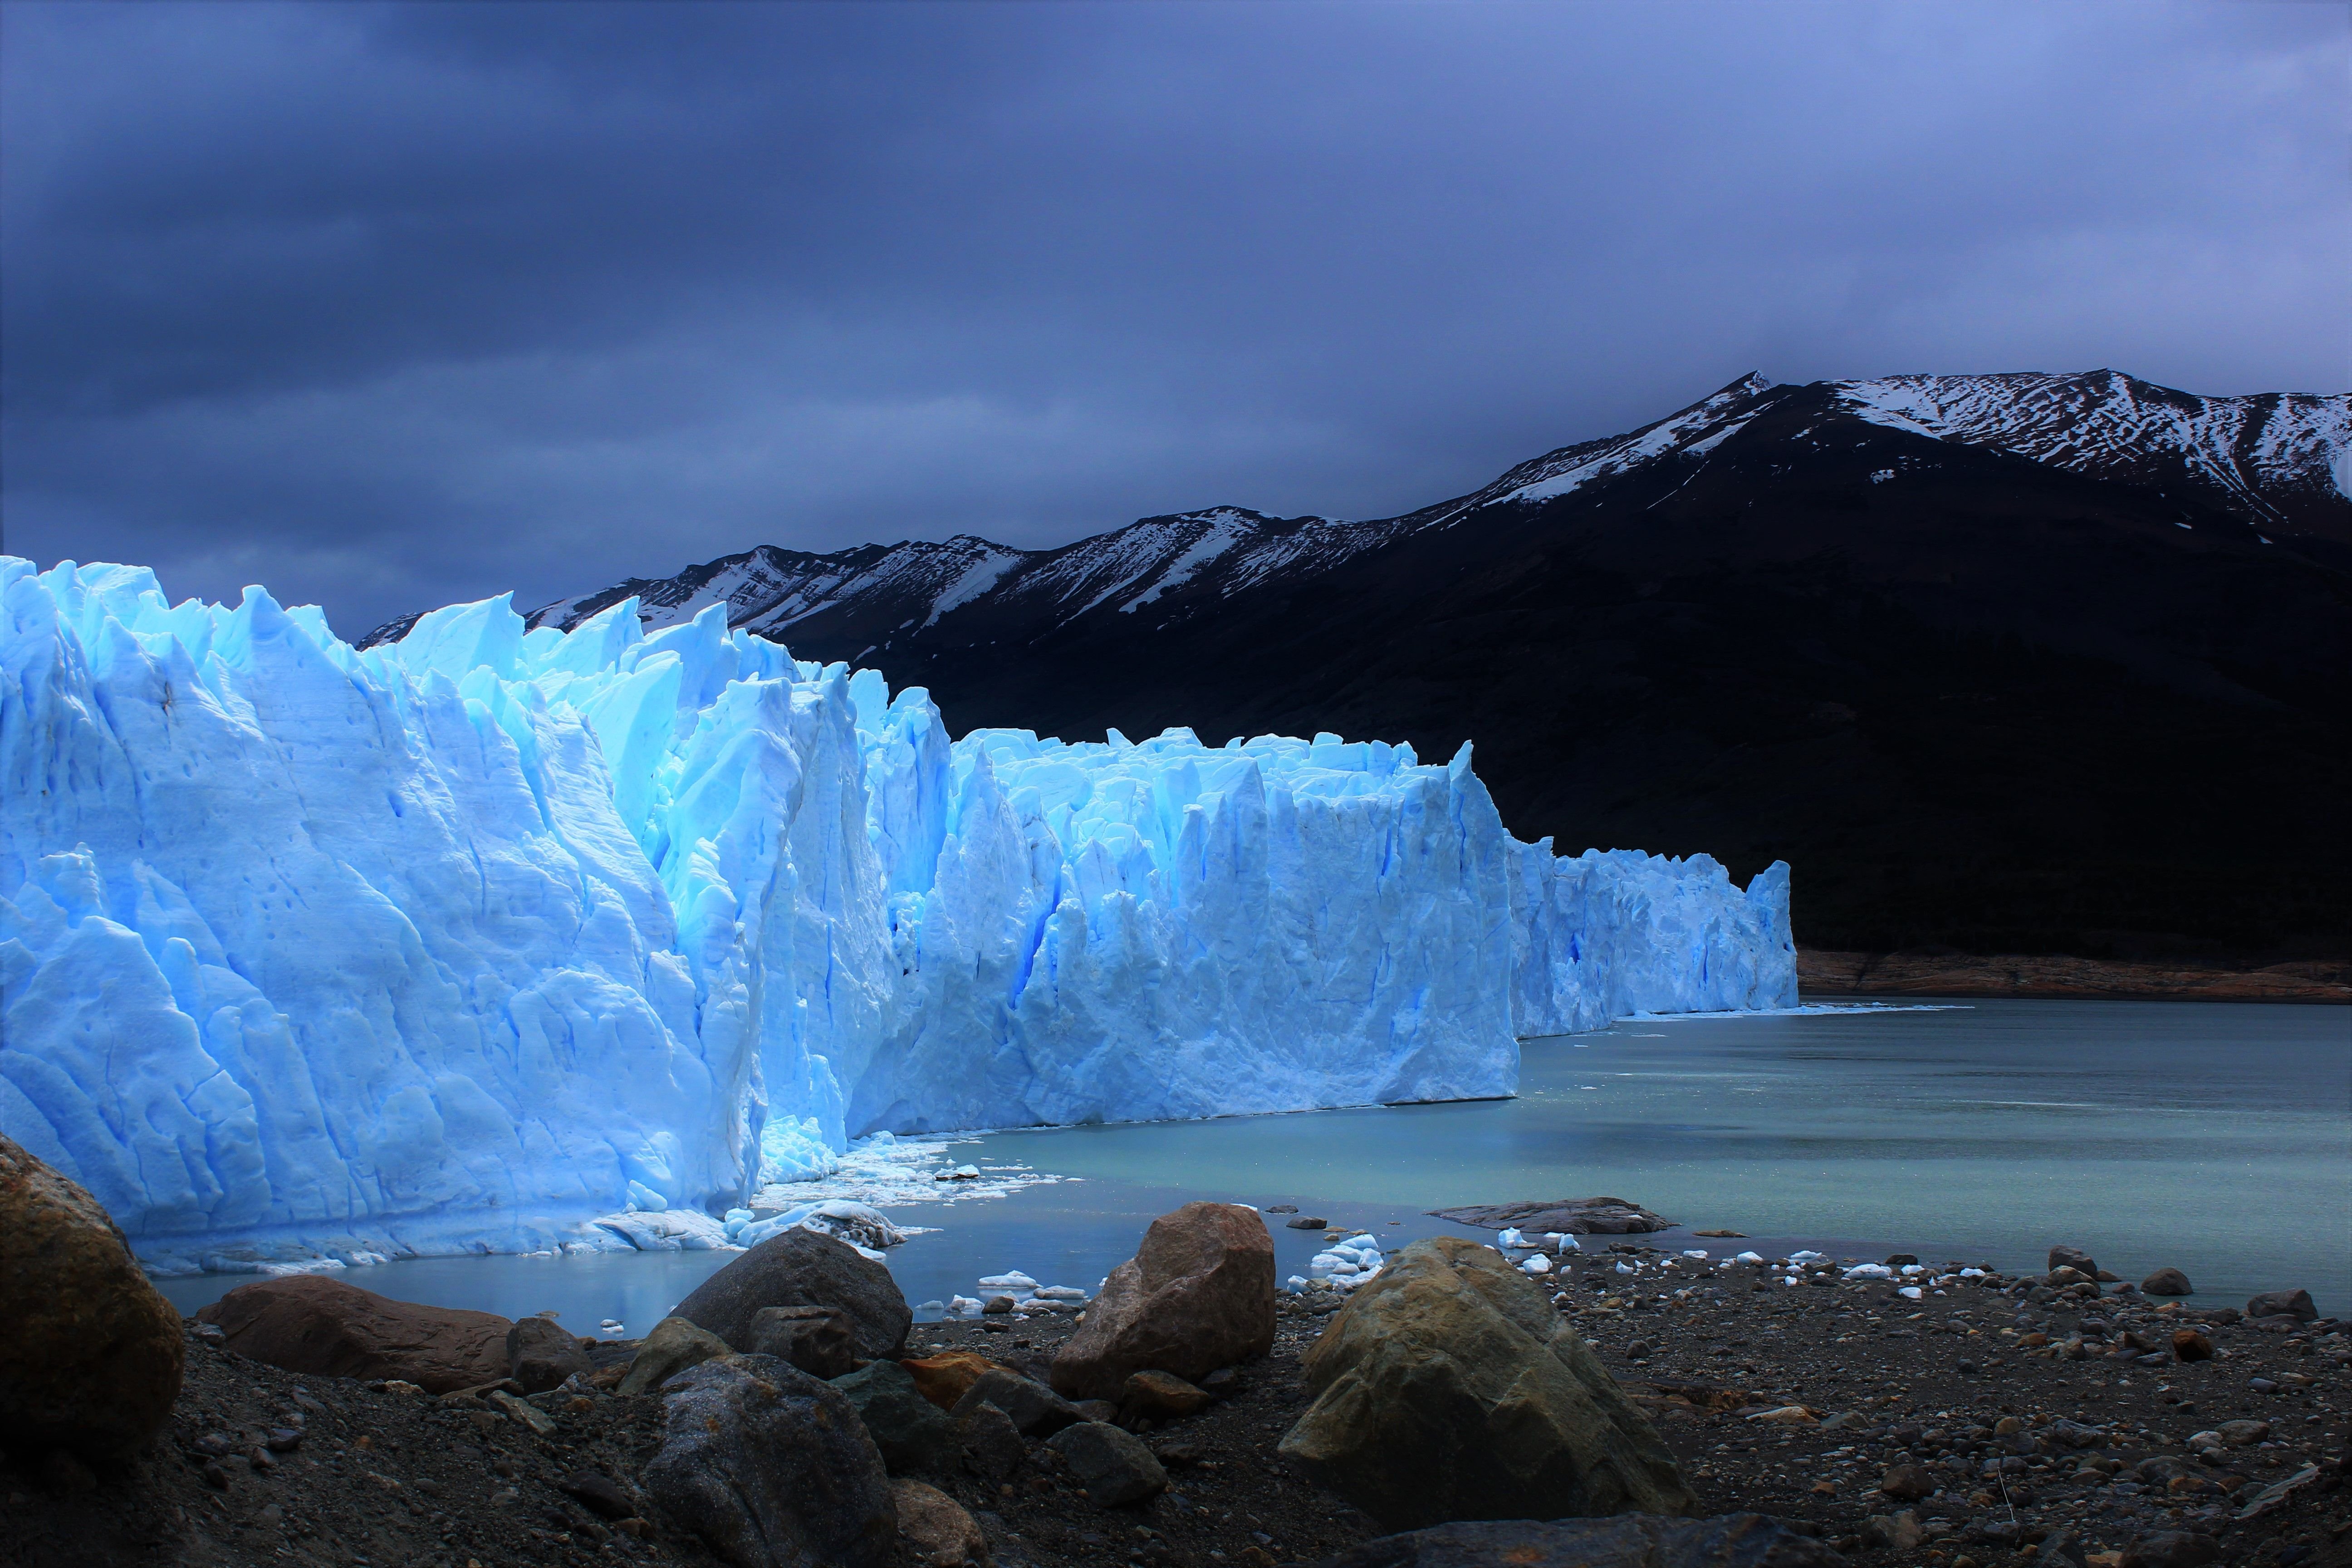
465, 941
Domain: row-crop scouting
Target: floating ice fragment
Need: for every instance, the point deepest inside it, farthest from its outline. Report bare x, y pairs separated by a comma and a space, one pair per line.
1750, 1258
1913, 1291
963, 1304
1015, 1280
1510, 1237
1870, 1272
1697, 1252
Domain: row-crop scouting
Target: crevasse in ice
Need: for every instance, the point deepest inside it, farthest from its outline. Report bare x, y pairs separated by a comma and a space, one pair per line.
460, 942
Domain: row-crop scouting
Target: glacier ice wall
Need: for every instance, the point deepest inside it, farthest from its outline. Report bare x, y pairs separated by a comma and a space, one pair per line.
461, 941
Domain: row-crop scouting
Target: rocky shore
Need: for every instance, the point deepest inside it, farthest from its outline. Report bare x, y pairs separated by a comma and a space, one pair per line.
1823, 974
1981, 1426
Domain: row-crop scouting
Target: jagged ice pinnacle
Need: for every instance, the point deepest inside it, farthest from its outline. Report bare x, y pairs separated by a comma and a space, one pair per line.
462, 941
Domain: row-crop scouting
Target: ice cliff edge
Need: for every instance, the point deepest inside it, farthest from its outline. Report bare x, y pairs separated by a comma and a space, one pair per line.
461, 941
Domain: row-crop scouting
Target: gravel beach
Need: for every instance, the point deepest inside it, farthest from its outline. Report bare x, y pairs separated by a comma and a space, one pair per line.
1980, 1426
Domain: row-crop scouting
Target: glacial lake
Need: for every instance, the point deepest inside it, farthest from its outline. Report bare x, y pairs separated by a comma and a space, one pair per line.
2215, 1138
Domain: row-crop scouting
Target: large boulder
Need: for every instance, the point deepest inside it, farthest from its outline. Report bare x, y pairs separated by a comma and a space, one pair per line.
803, 1268
2282, 1304
309, 1323
1569, 1217
542, 1352
1449, 1389
772, 1468
92, 1356
1114, 1466
1197, 1295
1629, 1541
943, 1378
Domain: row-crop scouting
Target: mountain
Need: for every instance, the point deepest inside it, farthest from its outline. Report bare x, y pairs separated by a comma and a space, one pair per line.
2014, 663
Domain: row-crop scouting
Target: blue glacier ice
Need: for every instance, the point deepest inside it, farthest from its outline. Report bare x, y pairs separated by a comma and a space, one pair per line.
498, 940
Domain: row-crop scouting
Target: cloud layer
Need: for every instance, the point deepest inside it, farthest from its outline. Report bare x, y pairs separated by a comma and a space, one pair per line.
393, 306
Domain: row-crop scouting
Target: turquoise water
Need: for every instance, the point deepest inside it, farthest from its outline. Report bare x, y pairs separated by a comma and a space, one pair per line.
2213, 1138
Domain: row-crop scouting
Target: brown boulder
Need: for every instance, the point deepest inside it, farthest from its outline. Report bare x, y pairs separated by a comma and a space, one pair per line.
92, 1357
936, 1529
1906, 1483
942, 1378
2166, 1282
1161, 1397
1197, 1295
2188, 1344
309, 1323
1450, 1389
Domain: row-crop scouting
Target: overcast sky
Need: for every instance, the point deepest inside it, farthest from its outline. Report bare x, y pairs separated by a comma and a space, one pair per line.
390, 306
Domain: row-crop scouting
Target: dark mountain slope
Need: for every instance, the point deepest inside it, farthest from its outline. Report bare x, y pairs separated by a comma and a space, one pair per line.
1976, 702
2027, 663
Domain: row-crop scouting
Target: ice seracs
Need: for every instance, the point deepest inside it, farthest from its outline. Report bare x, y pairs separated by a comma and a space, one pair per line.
513, 939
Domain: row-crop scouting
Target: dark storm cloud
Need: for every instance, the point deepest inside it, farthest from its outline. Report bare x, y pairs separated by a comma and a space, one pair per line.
390, 307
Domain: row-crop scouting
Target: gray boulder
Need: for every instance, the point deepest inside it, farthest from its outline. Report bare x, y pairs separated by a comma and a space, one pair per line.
1037, 1411
990, 1443
803, 1268
673, 1346
912, 1433
820, 1341
1628, 1541
771, 1467
1114, 1466
2065, 1257
542, 1352
1449, 1389
2282, 1304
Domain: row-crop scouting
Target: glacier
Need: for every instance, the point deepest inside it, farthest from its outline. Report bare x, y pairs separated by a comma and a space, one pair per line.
500, 939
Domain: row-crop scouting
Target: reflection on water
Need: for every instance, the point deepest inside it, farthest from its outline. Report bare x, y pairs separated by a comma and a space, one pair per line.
2211, 1137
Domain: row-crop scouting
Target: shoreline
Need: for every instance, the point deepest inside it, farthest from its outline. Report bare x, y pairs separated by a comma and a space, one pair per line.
1970, 1425
1824, 974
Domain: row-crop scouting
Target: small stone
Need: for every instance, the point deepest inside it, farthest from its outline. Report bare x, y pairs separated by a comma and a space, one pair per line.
214, 1443
938, 1533
283, 1440
2008, 1427
2261, 1386
2060, 1278
1096, 1410
597, 1492
2244, 1434
1113, 1465
1306, 1221
1906, 1483
2188, 1344
1898, 1260
262, 1460
530, 1415
216, 1476
2171, 1549
1893, 1533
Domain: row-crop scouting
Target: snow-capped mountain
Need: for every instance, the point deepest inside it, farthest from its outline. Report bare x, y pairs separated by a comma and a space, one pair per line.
2283, 457
2283, 461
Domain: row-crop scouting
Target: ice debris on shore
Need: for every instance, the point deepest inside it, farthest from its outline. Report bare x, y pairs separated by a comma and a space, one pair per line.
496, 940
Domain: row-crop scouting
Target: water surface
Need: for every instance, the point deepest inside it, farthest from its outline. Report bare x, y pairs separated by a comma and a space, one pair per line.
2214, 1138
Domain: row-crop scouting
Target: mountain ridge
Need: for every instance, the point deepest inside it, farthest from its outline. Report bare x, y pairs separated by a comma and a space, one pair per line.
2067, 679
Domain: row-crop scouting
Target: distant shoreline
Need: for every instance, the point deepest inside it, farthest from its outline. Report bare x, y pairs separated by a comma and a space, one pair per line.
1821, 973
